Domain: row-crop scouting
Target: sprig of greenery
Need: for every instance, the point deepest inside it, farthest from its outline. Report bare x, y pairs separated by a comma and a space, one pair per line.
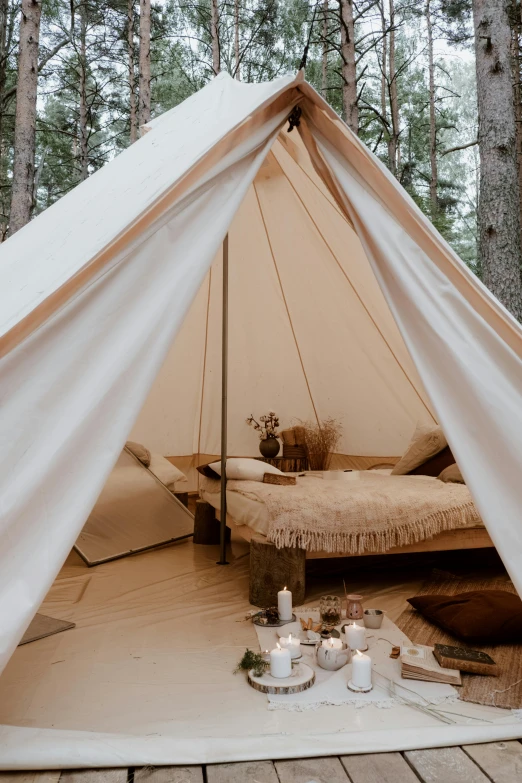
254, 661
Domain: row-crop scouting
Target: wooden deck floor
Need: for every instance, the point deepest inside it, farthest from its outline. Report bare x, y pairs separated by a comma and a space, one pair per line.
498, 762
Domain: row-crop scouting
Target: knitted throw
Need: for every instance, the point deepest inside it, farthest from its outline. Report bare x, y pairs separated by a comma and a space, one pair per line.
371, 514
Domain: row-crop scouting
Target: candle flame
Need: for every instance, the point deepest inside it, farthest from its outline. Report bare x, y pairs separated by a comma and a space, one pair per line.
331, 642
284, 588
359, 653
278, 646
289, 637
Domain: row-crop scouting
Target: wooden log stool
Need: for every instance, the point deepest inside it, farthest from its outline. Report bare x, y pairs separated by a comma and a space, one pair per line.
271, 569
206, 526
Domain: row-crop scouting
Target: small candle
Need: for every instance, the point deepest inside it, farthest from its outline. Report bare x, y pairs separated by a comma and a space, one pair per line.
355, 637
291, 643
284, 605
332, 644
361, 670
280, 663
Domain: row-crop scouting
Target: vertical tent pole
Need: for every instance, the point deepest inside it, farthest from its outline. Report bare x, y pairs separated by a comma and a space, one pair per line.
224, 407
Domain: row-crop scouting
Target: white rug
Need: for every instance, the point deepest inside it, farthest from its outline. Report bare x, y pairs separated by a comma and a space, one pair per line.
330, 688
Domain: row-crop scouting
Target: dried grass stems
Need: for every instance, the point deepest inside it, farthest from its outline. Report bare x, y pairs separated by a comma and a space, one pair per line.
320, 440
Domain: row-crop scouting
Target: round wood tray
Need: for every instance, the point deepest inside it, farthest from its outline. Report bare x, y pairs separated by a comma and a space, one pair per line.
302, 678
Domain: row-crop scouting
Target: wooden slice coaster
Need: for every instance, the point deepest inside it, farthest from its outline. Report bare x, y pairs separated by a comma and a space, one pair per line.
302, 678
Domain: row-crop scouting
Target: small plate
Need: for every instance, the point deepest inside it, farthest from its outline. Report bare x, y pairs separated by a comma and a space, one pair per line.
298, 633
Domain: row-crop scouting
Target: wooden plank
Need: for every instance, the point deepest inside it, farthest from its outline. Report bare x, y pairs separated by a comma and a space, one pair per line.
319, 770
445, 765
30, 777
379, 768
118, 775
502, 761
243, 772
168, 775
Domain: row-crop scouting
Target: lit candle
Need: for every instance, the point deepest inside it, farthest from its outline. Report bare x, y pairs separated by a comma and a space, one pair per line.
284, 605
280, 663
332, 644
291, 643
361, 670
355, 637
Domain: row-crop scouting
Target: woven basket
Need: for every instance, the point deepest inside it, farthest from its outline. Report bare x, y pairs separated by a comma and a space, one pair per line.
294, 452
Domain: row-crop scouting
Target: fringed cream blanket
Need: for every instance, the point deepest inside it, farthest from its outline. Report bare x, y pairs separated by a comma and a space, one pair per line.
373, 514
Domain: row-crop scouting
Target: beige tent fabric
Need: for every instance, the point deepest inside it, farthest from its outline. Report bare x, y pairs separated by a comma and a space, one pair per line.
310, 334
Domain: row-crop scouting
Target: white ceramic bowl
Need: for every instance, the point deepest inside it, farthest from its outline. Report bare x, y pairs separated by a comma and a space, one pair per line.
373, 618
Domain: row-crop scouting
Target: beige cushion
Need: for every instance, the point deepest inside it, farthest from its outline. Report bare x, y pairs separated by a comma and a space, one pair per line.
427, 441
245, 469
139, 451
452, 474
165, 471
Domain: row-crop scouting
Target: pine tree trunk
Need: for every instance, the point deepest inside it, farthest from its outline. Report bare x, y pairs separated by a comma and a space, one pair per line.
348, 67
237, 72
133, 114
25, 118
144, 99
4, 13
434, 178
83, 141
214, 35
499, 204
324, 59
394, 152
384, 55
516, 60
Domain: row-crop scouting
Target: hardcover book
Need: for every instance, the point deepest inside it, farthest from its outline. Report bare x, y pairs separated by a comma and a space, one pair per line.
470, 661
419, 663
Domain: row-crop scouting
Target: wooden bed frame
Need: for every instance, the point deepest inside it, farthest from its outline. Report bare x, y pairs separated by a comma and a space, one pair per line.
271, 568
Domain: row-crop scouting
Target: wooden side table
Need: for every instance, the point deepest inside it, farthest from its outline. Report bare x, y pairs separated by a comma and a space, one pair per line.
287, 464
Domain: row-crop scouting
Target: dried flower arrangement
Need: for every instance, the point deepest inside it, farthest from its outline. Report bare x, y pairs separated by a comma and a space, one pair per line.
320, 441
266, 426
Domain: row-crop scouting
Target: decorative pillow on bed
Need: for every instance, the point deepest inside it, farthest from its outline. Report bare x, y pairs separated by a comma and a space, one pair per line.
427, 441
245, 469
207, 471
139, 451
452, 475
435, 465
493, 616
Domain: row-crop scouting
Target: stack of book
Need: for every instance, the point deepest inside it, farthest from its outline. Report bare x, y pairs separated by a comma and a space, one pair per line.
444, 663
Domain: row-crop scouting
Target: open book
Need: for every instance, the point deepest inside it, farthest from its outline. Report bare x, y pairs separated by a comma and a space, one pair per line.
419, 663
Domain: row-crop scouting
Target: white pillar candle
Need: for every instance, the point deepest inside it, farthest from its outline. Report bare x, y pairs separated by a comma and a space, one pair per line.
291, 643
361, 670
355, 637
332, 643
280, 663
284, 605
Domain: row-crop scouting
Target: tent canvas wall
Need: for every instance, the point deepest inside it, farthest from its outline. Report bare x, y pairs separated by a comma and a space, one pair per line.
94, 291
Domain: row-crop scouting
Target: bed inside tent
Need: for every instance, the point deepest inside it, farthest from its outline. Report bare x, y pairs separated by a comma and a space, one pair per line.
318, 326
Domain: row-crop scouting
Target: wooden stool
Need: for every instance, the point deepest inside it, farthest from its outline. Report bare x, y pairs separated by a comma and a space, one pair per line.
272, 569
206, 526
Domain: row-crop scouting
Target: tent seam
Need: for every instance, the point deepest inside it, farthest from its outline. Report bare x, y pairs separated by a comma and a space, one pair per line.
285, 302
204, 367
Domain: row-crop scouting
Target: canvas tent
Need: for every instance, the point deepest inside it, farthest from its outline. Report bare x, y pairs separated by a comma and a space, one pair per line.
368, 313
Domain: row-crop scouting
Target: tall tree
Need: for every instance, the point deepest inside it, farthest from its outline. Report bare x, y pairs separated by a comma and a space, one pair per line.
144, 95
433, 117
394, 152
214, 35
324, 54
499, 203
25, 118
348, 65
131, 73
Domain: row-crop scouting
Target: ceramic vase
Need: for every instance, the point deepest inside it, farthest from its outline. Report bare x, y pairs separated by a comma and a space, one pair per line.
269, 447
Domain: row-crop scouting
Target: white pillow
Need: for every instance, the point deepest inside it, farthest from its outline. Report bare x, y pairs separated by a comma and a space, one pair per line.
245, 469
165, 471
428, 440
